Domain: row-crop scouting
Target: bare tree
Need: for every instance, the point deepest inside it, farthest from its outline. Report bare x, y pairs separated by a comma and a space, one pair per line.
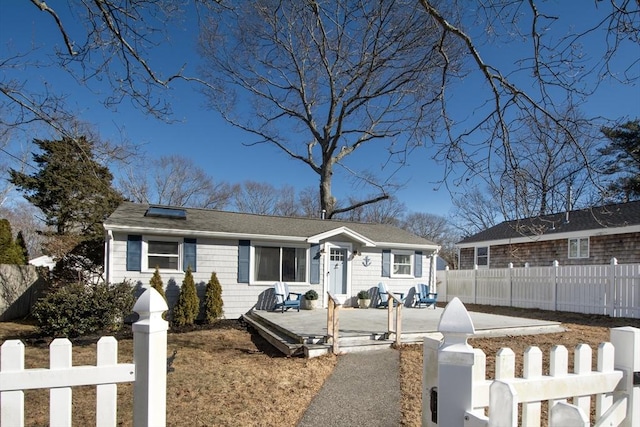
321, 80
102, 42
265, 199
388, 211
438, 229
176, 181
559, 60
548, 173
476, 211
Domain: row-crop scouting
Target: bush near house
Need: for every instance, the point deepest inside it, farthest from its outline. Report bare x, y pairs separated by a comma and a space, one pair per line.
187, 308
77, 309
156, 283
213, 300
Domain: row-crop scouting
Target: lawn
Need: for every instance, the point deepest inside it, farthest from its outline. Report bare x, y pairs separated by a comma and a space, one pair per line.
226, 376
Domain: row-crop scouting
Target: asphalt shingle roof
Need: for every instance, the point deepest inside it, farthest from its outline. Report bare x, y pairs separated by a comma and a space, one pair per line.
132, 215
615, 215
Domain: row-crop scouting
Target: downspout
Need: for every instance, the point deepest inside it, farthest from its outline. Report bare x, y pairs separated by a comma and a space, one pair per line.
107, 256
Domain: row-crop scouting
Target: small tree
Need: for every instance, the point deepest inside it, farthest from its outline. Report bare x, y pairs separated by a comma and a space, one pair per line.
156, 283
188, 306
213, 300
22, 244
10, 252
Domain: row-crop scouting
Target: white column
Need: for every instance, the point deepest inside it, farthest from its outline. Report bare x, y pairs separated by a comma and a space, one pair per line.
150, 359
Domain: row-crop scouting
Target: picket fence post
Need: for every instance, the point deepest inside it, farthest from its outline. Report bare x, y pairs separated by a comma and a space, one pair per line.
150, 359
626, 341
455, 365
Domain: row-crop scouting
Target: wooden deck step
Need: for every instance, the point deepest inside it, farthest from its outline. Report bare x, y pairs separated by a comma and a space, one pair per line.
274, 336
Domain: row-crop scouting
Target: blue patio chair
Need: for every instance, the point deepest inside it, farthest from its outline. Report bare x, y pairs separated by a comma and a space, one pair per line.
424, 296
383, 295
284, 300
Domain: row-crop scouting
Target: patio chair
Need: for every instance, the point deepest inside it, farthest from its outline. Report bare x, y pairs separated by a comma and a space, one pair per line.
424, 296
284, 299
383, 295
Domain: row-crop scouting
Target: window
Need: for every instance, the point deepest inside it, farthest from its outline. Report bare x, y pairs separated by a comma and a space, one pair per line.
482, 256
579, 248
402, 263
280, 264
163, 254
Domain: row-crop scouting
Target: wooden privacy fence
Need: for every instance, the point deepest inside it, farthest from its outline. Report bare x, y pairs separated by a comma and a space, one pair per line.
148, 372
612, 289
456, 392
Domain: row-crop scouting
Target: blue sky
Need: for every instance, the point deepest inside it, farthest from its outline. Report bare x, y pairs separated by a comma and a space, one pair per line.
217, 147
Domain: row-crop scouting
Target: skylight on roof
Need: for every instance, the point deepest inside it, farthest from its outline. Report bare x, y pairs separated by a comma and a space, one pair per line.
159, 212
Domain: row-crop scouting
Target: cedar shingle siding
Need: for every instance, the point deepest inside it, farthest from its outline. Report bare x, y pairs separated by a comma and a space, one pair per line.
613, 232
624, 247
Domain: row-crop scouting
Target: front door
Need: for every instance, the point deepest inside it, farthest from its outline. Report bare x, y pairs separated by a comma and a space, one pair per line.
338, 271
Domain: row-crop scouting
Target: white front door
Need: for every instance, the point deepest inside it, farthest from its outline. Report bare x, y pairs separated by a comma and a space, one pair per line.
338, 271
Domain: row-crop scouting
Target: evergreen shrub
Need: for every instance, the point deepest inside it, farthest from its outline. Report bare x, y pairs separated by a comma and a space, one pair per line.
187, 308
156, 283
213, 300
77, 309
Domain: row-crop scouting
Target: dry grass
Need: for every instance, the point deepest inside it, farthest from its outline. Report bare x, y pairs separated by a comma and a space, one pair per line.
228, 377
587, 329
223, 377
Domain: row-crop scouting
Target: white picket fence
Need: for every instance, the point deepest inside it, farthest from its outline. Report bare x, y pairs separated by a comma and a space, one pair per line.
148, 372
457, 393
611, 289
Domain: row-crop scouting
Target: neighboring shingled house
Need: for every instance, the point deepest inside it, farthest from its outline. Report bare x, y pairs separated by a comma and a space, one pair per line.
578, 237
249, 253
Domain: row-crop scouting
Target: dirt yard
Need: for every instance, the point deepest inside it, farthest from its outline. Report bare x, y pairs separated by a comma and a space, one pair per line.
226, 376
580, 328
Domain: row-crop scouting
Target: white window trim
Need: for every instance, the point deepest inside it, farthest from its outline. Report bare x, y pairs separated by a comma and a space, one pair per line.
411, 263
252, 260
475, 256
580, 255
145, 252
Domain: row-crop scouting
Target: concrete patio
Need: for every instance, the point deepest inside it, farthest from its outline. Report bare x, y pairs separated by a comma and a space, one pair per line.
305, 332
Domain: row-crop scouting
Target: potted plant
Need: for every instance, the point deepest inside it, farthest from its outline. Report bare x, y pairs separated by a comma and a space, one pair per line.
363, 299
310, 298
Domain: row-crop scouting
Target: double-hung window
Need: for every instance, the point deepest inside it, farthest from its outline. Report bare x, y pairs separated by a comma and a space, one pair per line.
163, 254
402, 263
579, 247
482, 256
280, 264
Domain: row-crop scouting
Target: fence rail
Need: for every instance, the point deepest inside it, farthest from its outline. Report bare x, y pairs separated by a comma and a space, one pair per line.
456, 392
610, 289
147, 372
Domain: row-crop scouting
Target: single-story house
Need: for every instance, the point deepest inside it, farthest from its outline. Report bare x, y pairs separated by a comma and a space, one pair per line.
249, 253
578, 237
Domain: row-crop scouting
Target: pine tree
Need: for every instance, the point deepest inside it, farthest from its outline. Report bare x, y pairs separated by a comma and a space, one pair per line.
187, 308
75, 194
213, 300
622, 160
156, 283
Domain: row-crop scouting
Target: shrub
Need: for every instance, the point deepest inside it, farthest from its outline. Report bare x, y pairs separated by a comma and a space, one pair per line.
363, 295
188, 306
311, 295
77, 309
156, 283
213, 300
